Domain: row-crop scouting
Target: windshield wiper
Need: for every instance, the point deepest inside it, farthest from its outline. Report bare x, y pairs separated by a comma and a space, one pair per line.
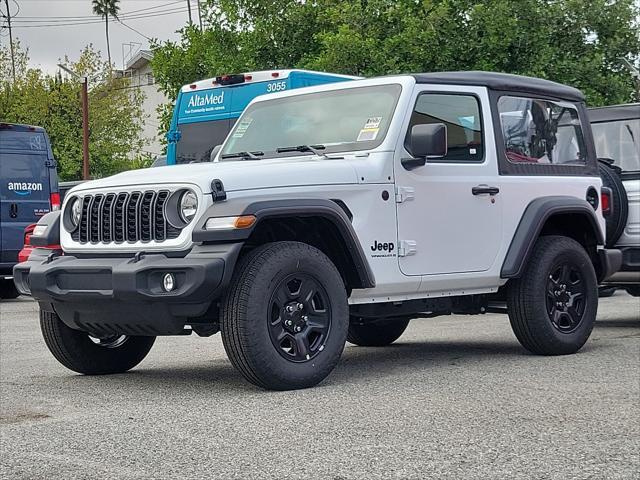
304, 148
243, 155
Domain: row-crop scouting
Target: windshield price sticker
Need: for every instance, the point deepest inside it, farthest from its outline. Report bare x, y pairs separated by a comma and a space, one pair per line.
242, 128
370, 130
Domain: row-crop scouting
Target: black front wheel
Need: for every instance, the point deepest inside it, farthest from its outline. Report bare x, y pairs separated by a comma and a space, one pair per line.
285, 317
553, 306
92, 355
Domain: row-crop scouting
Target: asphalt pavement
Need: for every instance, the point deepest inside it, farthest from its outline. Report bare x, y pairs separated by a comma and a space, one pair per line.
456, 397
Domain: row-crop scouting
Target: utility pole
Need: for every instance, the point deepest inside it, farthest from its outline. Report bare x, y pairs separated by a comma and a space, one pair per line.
13, 59
84, 96
199, 15
188, 6
85, 128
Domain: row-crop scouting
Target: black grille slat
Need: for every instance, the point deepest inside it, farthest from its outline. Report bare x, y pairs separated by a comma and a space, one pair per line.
94, 219
125, 217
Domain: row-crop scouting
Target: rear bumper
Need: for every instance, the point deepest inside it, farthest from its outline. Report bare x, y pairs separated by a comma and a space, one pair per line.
125, 295
610, 261
629, 269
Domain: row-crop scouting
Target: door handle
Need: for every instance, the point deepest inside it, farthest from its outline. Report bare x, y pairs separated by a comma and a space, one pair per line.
485, 189
13, 210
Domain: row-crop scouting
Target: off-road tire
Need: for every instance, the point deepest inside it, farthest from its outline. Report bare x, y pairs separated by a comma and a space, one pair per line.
617, 221
376, 334
75, 350
527, 298
8, 290
245, 326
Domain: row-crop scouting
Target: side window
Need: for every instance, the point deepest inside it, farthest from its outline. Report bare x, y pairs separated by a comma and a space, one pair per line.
461, 115
541, 131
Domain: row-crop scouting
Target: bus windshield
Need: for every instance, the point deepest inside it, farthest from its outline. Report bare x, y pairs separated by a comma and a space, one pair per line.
198, 139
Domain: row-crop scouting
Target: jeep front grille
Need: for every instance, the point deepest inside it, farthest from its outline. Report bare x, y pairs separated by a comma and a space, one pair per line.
124, 217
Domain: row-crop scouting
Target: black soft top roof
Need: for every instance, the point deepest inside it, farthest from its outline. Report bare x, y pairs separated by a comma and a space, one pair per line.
614, 112
504, 82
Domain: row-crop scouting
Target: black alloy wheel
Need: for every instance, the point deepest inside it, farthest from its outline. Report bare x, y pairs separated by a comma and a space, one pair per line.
566, 297
300, 318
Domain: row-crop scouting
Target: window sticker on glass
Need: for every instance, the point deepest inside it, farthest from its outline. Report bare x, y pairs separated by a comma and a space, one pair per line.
242, 128
370, 130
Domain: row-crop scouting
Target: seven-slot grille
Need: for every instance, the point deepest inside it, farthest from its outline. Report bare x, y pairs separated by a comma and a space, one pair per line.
124, 217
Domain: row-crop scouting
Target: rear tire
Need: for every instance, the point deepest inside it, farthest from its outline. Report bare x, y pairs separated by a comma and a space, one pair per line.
8, 290
552, 307
285, 317
80, 352
378, 334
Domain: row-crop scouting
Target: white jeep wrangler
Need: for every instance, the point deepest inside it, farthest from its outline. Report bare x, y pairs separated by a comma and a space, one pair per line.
332, 214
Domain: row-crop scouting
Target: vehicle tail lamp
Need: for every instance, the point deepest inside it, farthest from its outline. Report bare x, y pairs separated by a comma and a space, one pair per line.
605, 201
54, 199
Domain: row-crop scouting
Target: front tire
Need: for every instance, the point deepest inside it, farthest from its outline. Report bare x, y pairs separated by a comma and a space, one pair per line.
376, 334
82, 353
285, 317
552, 307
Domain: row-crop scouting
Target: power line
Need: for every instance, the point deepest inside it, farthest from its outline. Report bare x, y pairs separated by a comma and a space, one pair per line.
133, 29
86, 17
94, 21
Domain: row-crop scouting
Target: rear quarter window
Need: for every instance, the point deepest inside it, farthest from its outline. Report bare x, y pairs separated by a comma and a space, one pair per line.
539, 131
620, 141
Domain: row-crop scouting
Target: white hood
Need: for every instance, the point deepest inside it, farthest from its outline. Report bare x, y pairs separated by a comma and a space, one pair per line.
238, 175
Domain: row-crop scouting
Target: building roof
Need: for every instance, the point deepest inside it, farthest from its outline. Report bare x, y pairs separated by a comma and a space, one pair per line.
503, 82
614, 113
139, 60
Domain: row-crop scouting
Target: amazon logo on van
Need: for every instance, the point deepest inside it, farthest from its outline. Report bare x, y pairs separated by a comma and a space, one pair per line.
24, 188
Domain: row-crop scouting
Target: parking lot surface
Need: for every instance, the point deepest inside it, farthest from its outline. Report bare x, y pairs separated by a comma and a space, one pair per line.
455, 397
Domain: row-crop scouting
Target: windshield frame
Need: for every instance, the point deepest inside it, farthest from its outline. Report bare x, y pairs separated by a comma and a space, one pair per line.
351, 147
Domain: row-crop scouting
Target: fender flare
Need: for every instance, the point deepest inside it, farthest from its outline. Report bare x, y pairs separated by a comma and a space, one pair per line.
331, 210
535, 216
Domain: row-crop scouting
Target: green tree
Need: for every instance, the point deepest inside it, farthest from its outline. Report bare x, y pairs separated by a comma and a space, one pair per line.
106, 9
577, 42
51, 101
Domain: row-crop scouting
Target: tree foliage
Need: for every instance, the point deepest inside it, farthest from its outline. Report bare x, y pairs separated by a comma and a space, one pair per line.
53, 102
577, 42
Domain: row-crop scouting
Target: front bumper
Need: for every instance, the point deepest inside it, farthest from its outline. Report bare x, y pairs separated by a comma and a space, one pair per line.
107, 295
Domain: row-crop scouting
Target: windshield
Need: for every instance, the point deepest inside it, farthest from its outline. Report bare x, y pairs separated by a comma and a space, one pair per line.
337, 121
198, 139
619, 141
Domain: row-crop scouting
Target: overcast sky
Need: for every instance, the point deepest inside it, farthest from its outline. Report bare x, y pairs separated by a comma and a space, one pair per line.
44, 27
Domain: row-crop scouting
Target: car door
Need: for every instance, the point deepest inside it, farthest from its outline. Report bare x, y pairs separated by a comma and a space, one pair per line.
24, 187
448, 221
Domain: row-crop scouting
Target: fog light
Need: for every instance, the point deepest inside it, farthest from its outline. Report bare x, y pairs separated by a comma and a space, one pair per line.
168, 282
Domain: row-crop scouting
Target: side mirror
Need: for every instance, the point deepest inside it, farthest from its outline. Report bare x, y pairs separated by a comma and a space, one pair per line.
426, 141
214, 152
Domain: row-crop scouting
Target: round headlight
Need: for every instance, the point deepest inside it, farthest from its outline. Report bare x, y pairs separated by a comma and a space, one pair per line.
75, 210
188, 206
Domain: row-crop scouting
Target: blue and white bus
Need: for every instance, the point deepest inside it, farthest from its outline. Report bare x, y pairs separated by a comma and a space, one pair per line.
205, 111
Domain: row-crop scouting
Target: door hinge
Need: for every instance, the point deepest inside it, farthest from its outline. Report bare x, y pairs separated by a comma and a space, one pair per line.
50, 163
407, 247
405, 193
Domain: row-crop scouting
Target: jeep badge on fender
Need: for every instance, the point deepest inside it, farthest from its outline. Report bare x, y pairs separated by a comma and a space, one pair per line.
295, 253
